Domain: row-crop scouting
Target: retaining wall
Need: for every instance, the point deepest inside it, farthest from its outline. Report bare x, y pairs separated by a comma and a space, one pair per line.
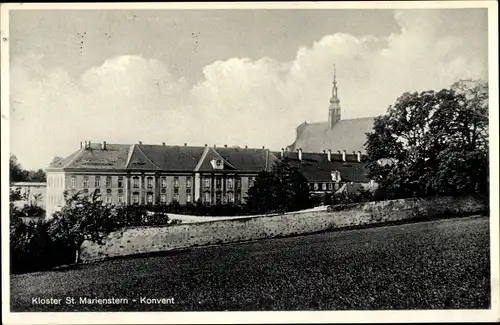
155, 239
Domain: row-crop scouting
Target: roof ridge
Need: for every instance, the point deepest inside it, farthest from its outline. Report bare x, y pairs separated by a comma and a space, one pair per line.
78, 152
130, 153
202, 158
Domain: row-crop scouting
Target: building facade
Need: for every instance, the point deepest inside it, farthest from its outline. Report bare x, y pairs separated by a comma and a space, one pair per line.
331, 172
156, 174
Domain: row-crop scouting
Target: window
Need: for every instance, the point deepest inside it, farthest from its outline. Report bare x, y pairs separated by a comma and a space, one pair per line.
108, 191
85, 181
97, 181
135, 181
120, 199
207, 182
108, 181
238, 183
188, 198
135, 198
163, 182
163, 198
73, 182
188, 182
163, 190
120, 191
217, 182
207, 197
330, 186
218, 163
230, 183
176, 181
150, 182
108, 199
97, 191
120, 181
85, 190
176, 190
316, 186
250, 181
176, 197
149, 198
230, 197
323, 186
336, 186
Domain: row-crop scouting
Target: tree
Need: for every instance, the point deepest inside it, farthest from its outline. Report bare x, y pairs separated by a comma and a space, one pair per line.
282, 189
18, 174
82, 218
432, 143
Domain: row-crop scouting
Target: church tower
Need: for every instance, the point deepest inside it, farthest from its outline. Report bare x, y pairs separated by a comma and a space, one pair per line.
334, 110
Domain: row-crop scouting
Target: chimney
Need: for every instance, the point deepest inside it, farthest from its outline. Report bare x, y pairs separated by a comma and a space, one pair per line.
263, 147
329, 155
104, 145
206, 145
89, 145
225, 146
343, 155
140, 142
215, 146
300, 153
358, 154
282, 152
163, 143
81, 145
246, 147
185, 144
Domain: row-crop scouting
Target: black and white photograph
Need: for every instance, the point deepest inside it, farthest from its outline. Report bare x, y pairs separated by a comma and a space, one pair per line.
335, 160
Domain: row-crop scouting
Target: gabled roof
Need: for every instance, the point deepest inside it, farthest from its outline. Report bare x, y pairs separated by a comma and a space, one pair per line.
348, 135
205, 164
248, 159
172, 158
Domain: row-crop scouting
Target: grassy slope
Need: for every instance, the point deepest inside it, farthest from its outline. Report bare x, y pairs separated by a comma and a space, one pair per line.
438, 264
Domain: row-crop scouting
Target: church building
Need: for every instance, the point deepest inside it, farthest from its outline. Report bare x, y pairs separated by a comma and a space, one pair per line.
336, 134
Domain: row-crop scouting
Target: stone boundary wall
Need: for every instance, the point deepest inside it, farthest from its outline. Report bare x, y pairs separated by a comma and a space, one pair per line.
141, 240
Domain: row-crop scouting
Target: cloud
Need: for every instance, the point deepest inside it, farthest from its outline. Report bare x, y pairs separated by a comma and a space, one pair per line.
238, 101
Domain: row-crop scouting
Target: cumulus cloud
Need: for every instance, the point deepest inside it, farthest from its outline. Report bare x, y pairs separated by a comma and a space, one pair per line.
238, 101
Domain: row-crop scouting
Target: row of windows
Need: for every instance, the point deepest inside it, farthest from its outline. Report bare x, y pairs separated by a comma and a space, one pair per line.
323, 186
163, 182
230, 182
97, 181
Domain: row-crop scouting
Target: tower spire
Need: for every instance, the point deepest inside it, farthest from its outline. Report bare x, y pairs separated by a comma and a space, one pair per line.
334, 110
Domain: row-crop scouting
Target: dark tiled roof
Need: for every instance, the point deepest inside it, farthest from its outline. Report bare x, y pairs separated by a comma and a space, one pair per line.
113, 157
160, 157
211, 154
316, 168
346, 135
173, 158
251, 160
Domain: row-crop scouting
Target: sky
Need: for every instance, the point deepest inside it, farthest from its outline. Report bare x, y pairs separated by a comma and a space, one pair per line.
235, 77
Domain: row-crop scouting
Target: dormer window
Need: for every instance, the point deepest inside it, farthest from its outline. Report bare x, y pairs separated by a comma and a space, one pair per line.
217, 164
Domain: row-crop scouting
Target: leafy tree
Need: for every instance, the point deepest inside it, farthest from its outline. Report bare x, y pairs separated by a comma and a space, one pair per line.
432, 143
18, 174
282, 189
82, 218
